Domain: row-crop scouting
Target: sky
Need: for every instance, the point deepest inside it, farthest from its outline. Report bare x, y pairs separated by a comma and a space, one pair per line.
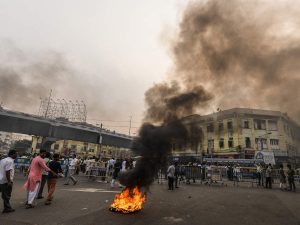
114, 49
136, 59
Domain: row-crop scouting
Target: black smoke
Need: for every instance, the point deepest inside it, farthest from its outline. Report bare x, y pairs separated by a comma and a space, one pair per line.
154, 142
227, 54
245, 52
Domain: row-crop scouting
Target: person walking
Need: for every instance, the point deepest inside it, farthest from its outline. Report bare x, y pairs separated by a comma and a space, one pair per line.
291, 180
52, 179
77, 166
124, 165
208, 171
66, 163
72, 170
269, 177
34, 178
117, 169
110, 169
7, 170
44, 176
171, 176
282, 178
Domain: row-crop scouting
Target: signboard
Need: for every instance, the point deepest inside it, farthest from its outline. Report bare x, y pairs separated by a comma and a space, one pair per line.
266, 156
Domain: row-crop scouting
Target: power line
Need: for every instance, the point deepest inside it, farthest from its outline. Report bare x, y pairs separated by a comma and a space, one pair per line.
117, 126
116, 121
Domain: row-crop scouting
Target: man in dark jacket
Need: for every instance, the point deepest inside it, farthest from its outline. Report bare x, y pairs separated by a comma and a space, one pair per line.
291, 173
117, 169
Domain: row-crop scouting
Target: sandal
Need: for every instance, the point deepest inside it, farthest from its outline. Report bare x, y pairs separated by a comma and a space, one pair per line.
48, 202
29, 206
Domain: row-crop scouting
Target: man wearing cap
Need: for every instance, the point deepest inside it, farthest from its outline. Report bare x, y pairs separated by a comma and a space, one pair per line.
7, 170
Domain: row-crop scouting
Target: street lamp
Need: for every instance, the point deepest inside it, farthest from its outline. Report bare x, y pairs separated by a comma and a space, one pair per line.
100, 138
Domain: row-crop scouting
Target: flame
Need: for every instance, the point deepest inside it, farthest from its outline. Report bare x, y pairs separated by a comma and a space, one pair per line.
129, 200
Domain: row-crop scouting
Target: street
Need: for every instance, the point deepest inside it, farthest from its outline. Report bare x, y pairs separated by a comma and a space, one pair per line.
87, 203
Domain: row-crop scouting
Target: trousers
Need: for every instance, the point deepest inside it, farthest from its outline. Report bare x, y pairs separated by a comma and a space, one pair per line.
32, 194
6, 195
51, 188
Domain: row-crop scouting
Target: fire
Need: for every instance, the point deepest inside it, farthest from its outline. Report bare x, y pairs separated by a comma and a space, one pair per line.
128, 201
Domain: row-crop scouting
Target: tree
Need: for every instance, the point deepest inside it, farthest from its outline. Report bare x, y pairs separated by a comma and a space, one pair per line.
21, 146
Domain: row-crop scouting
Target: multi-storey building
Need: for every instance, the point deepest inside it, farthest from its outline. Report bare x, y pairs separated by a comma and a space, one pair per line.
241, 132
7, 139
83, 149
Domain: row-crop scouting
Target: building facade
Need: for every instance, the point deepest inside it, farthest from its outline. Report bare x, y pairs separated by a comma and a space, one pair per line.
242, 132
83, 149
7, 140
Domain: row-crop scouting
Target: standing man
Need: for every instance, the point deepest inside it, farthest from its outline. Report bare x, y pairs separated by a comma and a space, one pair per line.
124, 162
7, 170
34, 178
66, 163
44, 176
269, 176
291, 179
110, 168
52, 179
117, 169
176, 174
259, 174
171, 176
72, 170
282, 177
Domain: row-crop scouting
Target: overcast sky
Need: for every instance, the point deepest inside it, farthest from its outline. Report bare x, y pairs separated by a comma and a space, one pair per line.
117, 46
109, 53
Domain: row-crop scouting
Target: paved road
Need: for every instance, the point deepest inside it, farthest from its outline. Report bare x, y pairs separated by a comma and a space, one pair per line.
87, 204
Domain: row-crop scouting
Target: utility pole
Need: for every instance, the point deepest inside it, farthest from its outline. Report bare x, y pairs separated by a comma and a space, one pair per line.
100, 139
130, 124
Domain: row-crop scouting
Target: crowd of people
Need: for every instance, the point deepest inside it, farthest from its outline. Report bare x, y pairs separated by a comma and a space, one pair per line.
46, 169
264, 175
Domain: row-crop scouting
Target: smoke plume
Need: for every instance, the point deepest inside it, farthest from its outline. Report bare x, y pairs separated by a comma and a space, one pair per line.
27, 76
244, 52
167, 104
227, 54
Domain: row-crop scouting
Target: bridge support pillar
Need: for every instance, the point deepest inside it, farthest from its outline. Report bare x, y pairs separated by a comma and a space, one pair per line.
47, 142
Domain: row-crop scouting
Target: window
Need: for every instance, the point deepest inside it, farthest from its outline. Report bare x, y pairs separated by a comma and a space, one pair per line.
261, 143
274, 142
221, 127
56, 146
260, 124
272, 125
210, 128
230, 142
246, 124
221, 143
248, 142
65, 144
229, 125
210, 146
